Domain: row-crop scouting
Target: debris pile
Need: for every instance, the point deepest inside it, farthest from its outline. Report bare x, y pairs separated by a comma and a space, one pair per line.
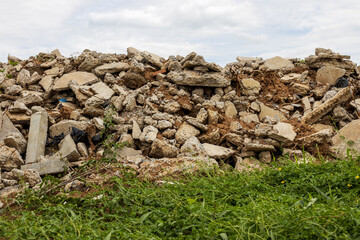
164, 117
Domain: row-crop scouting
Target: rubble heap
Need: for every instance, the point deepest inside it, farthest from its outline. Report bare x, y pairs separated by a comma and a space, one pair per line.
56, 113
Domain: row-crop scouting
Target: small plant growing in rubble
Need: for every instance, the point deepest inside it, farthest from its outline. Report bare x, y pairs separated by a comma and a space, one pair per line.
13, 63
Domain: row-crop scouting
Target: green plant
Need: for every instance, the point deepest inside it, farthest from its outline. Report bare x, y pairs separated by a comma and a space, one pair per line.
13, 63
2, 70
9, 76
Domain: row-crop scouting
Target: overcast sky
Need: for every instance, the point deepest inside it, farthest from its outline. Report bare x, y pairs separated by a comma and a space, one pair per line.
219, 30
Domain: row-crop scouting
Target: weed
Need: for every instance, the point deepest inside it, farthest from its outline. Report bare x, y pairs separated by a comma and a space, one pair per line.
9, 76
13, 63
2, 70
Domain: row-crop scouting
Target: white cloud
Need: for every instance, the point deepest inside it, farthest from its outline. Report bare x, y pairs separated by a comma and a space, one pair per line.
219, 30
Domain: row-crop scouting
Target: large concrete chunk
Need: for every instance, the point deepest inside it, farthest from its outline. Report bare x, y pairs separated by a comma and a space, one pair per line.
65, 127
347, 137
68, 149
278, 63
329, 74
185, 132
37, 137
48, 166
10, 158
342, 96
6, 127
102, 90
217, 152
266, 111
81, 78
283, 132
193, 78
111, 68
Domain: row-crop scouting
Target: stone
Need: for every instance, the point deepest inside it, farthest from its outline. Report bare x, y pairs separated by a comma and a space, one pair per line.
164, 124
342, 96
246, 164
102, 90
234, 138
265, 157
217, 152
266, 111
258, 147
16, 140
202, 116
250, 86
152, 58
82, 149
300, 89
235, 126
37, 137
32, 177
255, 106
10, 158
174, 167
149, 134
48, 166
75, 185
46, 83
196, 124
278, 64
134, 53
161, 149
348, 137
23, 77
6, 126
192, 147
230, 110
80, 78
124, 152
136, 131
111, 68
249, 118
329, 74
185, 132
134, 80
192, 78
291, 77
13, 90
19, 107
68, 149
283, 132
172, 107
65, 127
320, 137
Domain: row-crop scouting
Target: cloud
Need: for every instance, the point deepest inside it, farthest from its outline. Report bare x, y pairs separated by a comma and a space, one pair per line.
219, 30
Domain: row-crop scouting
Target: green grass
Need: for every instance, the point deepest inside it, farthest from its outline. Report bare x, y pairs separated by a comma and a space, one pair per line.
296, 201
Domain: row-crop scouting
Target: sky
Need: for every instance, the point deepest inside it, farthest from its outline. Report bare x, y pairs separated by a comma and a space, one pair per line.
219, 30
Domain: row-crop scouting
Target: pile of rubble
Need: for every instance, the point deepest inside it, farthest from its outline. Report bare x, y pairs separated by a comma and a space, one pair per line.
174, 115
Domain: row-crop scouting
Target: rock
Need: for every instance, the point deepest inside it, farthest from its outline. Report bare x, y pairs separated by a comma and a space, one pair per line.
342, 96
10, 158
202, 116
247, 164
16, 140
19, 107
75, 185
46, 83
347, 137
32, 177
124, 152
37, 137
80, 78
136, 131
149, 134
283, 132
192, 147
300, 89
23, 77
172, 107
174, 167
7, 128
161, 149
68, 149
329, 74
102, 90
134, 80
164, 124
278, 64
134, 53
82, 149
152, 58
235, 126
13, 90
185, 132
196, 124
99, 123
111, 68
266, 111
265, 157
217, 152
48, 166
258, 147
192, 78
230, 110
320, 137
291, 77
250, 86
249, 118
65, 127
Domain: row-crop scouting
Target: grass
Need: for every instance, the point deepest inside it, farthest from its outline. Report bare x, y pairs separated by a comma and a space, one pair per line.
293, 201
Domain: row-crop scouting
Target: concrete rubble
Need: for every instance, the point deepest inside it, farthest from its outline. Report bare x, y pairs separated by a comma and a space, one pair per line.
174, 115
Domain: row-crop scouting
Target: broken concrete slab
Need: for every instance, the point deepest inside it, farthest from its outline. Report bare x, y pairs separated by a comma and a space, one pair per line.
347, 137
193, 78
68, 149
217, 152
48, 166
37, 137
185, 132
283, 132
329, 74
6, 127
161, 149
266, 111
278, 63
102, 90
342, 96
65, 127
17, 141
81, 78
111, 68
10, 158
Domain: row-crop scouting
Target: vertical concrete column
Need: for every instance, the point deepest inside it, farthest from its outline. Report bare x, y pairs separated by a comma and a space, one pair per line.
37, 137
